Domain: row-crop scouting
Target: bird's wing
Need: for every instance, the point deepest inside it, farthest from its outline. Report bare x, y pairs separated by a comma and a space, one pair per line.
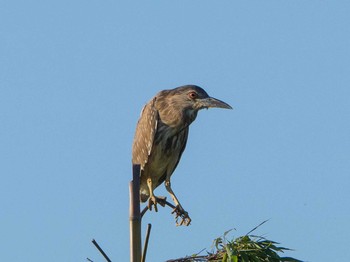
145, 133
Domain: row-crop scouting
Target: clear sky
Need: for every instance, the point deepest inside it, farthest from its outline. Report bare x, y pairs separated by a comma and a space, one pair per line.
74, 76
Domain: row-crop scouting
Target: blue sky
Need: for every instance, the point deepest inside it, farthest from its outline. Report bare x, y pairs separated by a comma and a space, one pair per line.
74, 76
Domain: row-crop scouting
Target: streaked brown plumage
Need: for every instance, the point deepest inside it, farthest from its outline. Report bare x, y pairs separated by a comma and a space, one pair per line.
161, 136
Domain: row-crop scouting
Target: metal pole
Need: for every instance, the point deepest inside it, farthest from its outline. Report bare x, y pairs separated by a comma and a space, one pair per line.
135, 216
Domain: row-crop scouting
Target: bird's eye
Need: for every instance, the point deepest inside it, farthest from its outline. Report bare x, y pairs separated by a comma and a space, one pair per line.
192, 95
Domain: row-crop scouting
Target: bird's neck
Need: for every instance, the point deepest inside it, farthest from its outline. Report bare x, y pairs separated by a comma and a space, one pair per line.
178, 118
189, 115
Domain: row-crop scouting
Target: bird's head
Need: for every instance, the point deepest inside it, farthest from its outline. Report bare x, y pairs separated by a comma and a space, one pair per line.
181, 104
191, 97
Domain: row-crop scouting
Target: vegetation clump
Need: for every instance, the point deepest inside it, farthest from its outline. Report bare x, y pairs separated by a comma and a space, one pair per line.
247, 248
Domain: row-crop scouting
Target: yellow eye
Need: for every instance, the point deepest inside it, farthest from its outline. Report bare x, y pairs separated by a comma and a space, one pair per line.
192, 95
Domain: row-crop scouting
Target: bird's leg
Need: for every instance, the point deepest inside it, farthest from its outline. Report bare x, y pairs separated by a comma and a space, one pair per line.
153, 200
179, 211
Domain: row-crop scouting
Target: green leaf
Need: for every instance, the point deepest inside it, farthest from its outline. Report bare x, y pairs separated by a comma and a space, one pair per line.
234, 259
290, 259
224, 259
228, 231
257, 227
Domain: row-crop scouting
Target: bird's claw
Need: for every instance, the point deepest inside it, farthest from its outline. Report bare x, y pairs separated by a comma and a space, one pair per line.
153, 201
180, 213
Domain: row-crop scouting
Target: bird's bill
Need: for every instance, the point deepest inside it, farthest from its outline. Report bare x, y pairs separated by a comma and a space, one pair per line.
213, 102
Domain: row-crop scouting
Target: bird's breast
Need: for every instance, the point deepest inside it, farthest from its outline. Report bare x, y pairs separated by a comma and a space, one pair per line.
166, 152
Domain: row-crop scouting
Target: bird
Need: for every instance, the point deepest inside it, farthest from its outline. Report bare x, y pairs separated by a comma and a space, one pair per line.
160, 139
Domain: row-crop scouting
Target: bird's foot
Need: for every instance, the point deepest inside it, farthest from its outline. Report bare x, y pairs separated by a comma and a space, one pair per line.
180, 213
153, 201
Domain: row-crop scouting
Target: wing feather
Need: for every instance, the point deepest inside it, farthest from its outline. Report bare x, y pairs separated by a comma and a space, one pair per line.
145, 133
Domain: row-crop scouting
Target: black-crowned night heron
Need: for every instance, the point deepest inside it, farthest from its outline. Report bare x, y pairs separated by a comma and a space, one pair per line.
161, 136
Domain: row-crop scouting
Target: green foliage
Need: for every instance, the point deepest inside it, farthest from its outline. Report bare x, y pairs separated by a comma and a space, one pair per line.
247, 248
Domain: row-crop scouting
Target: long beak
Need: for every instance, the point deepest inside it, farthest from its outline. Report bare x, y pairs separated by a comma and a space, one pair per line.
213, 102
